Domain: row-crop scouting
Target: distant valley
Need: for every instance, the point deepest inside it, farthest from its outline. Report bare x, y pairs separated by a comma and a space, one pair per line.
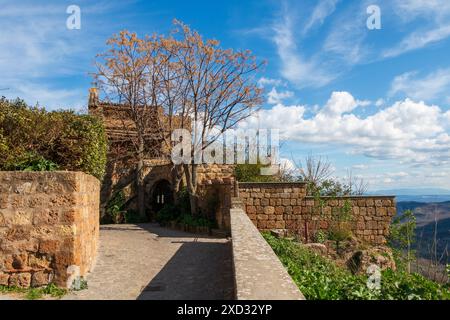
431, 206
423, 199
426, 195
433, 218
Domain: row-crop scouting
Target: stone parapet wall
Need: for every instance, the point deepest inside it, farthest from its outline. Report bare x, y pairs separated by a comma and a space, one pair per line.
371, 215
286, 206
49, 227
258, 273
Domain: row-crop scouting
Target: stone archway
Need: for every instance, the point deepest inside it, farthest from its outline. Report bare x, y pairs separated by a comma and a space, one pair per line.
161, 195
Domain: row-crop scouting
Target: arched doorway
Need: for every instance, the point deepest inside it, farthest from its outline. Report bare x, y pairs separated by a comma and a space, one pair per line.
162, 195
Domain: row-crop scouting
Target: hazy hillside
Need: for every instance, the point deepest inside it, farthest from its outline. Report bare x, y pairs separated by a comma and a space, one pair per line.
423, 198
432, 218
415, 192
426, 212
426, 195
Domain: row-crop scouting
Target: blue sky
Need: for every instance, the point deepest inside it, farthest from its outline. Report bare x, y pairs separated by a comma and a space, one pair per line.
376, 102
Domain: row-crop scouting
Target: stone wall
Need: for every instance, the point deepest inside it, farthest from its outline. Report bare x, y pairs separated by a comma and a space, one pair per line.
214, 173
286, 206
49, 227
258, 273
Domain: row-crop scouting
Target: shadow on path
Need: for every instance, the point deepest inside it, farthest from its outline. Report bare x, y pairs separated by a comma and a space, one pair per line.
197, 271
147, 261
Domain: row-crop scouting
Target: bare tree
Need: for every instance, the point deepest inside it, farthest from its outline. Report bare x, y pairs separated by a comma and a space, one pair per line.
180, 81
315, 169
286, 173
129, 75
218, 90
356, 185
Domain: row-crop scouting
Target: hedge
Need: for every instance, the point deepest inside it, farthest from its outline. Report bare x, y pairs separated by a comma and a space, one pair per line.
31, 137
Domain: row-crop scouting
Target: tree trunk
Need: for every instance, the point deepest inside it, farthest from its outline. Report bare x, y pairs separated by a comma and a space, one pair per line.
408, 257
140, 179
177, 178
190, 171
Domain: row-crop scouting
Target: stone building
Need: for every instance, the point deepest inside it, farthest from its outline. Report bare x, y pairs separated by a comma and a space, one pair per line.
159, 172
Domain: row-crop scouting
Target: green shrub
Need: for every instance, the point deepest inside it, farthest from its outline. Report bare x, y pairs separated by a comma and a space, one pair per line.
167, 214
402, 238
181, 213
189, 220
34, 139
320, 237
320, 278
251, 173
183, 205
173, 212
132, 216
35, 293
33, 162
115, 207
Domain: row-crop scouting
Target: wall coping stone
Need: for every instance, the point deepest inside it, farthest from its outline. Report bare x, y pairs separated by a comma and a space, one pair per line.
353, 197
277, 184
258, 273
45, 173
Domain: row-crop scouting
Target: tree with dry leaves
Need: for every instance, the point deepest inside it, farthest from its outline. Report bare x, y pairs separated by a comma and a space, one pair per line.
130, 77
172, 82
218, 89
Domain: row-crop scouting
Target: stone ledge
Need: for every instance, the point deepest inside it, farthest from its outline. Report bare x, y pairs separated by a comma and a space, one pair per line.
245, 185
259, 274
368, 197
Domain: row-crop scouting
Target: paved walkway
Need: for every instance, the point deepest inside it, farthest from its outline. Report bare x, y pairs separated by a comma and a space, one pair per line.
149, 262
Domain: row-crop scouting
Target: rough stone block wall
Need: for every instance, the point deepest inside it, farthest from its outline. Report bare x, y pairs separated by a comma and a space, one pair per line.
214, 173
49, 227
286, 206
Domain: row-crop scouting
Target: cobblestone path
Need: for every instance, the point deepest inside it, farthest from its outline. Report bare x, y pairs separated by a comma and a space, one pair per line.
149, 262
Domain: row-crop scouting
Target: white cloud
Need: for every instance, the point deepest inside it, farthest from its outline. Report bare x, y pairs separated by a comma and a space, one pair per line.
418, 40
262, 82
272, 118
379, 103
407, 131
322, 10
447, 116
275, 97
430, 87
411, 179
38, 54
360, 167
49, 97
437, 26
339, 103
398, 175
364, 103
288, 166
296, 69
410, 9
347, 35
